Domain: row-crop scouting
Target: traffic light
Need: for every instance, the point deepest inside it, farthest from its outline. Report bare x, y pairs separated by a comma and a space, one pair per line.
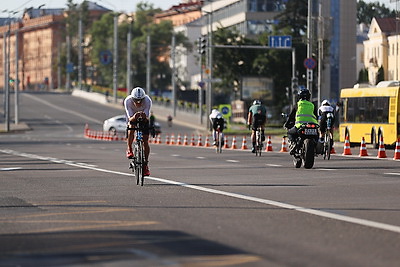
202, 45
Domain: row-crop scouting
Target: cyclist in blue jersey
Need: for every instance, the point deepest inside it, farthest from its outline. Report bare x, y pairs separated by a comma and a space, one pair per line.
256, 117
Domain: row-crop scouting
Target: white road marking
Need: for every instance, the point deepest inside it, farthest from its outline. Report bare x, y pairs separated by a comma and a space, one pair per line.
10, 169
392, 173
232, 160
175, 155
274, 165
344, 218
200, 157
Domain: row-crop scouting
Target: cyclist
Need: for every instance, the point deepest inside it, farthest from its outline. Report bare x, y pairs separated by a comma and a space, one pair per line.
137, 105
323, 112
304, 111
217, 120
256, 117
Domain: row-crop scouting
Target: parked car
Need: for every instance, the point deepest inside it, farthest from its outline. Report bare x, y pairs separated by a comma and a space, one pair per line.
117, 124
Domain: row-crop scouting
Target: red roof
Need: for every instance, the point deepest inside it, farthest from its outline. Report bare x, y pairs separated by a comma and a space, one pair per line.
387, 25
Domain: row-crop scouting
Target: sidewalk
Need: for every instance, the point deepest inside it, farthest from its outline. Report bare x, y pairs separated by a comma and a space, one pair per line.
20, 127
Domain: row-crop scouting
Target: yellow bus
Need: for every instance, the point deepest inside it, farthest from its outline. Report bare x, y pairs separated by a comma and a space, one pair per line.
370, 113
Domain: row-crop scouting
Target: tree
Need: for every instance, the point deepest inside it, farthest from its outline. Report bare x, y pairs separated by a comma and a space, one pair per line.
367, 11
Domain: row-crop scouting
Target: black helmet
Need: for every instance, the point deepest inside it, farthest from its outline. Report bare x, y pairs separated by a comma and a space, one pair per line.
304, 94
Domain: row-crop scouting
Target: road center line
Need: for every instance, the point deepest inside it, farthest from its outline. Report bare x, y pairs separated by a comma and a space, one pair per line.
363, 222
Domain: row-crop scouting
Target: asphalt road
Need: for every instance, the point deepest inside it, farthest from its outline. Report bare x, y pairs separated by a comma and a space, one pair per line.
70, 201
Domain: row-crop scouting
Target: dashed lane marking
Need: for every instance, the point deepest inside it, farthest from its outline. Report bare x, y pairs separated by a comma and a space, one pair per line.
320, 213
232, 160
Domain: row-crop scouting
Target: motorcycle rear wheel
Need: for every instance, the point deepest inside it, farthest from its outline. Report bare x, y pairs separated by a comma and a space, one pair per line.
309, 153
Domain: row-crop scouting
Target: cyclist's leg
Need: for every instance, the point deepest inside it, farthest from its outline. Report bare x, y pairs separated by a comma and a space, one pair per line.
129, 141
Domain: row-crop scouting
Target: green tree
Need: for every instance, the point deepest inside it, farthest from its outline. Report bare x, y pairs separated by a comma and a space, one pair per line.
367, 11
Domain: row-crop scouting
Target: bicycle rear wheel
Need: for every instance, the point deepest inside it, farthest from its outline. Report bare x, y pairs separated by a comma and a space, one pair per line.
259, 144
327, 146
220, 141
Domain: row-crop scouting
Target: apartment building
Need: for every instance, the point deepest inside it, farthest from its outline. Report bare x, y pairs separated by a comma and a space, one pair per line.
382, 49
35, 41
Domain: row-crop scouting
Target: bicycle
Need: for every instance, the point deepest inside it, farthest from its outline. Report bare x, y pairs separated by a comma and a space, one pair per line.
328, 138
219, 140
138, 162
259, 142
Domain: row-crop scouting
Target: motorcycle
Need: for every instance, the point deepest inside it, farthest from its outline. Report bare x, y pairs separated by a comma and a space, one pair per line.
307, 146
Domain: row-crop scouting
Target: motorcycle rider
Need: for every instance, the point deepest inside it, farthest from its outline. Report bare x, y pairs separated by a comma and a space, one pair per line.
304, 111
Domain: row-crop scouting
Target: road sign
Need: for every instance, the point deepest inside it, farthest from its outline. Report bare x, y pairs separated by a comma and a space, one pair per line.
310, 63
225, 110
70, 67
280, 41
105, 57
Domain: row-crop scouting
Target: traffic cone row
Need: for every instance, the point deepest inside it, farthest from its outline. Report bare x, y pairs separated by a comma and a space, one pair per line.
100, 135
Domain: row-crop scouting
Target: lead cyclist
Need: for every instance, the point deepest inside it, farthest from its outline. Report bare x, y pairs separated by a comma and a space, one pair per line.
137, 105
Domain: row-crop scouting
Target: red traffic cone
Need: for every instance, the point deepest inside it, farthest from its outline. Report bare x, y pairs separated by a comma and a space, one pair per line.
269, 144
381, 150
207, 142
284, 145
159, 139
234, 143
192, 143
346, 150
179, 140
244, 143
226, 142
397, 150
185, 140
363, 148
167, 139
199, 142
172, 141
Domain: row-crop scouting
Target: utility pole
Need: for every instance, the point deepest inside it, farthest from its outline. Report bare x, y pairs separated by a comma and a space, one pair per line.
80, 63
115, 58
16, 81
148, 64
309, 46
173, 76
129, 58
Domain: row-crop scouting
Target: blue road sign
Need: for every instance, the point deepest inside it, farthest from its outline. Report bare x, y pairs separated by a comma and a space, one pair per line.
280, 41
105, 57
70, 67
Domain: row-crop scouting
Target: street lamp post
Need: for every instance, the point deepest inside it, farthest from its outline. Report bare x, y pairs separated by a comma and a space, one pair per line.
129, 57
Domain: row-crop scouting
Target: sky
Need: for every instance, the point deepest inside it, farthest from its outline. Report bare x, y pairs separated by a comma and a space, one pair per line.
116, 5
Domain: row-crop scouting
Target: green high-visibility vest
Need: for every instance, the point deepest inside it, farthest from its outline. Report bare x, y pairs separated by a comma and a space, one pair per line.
305, 113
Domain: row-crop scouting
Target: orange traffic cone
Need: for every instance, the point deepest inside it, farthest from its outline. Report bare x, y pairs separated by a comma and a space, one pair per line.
347, 150
234, 143
179, 140
185, 140
167, 139
172, 141
269, 144
397, 150
284, 145
192, 143
363, 148
226, 142
207, 142
333, 151
381, 150
159, 139
199, 143
244, 143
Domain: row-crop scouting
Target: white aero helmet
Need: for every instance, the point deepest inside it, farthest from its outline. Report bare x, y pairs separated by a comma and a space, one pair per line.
138, 93
257, 102
325, 103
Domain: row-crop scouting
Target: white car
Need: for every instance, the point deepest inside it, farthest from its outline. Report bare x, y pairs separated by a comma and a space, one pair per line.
118, 124
115, 124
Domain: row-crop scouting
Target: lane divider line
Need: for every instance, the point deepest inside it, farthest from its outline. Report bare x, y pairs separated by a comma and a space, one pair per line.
338, 217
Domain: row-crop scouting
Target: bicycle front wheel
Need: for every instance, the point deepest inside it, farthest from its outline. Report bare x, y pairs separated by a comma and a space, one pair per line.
138, 162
